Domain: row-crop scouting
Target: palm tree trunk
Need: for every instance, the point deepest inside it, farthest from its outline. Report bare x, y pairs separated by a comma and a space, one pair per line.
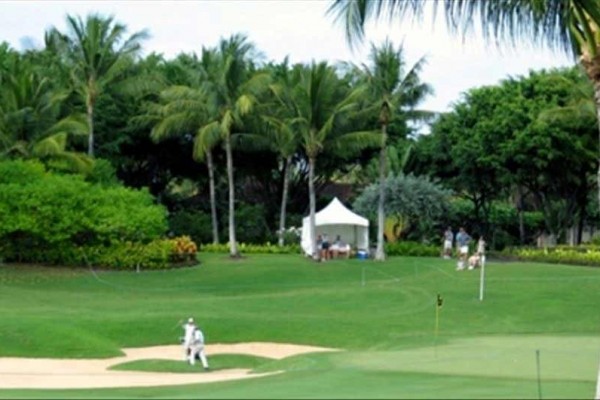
597, 99
591, 64
90, 121
312, 203
380, 252
233, 250
213, 197
284, 196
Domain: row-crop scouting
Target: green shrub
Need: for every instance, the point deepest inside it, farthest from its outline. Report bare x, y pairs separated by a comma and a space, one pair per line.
157, 254
248, 248
576, 255
196, 224
251, 225
103, 173
21, 172
44, 214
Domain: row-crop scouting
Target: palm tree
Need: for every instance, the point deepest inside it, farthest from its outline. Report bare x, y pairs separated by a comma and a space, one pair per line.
572, 26
321, 104
393, 89
30, 122
277, 129
97, 52
182, 111
232, 87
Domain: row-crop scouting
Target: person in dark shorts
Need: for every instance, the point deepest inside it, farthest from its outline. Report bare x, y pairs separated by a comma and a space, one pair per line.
325, 247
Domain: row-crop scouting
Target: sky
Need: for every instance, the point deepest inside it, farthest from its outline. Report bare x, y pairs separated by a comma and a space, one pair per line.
299, 29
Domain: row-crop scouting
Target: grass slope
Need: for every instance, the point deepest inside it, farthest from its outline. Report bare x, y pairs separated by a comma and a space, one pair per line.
383, 314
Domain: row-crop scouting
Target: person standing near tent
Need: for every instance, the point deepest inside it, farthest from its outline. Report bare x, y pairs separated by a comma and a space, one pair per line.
319, 245
197, 348
462, 241
447, 238
325, 247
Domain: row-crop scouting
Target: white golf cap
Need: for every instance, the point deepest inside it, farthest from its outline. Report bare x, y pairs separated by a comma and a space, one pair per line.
190, 320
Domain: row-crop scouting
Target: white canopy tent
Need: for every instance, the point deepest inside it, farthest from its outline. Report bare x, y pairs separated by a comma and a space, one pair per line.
334, 220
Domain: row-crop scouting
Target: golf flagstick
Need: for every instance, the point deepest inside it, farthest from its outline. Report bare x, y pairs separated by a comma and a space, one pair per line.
438, 304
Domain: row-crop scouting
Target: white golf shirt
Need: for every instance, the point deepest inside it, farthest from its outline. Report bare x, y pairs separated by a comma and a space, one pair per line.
188, 335
198, 338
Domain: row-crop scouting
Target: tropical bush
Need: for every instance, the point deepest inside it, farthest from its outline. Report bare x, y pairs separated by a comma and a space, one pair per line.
416, 204
44, 214
183, 249
251, 224
157, 254
576, 255
193, 223
249, 248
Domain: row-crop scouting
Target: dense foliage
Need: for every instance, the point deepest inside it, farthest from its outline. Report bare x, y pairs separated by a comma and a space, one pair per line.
415, 204
236, 147
579, 255
47, 212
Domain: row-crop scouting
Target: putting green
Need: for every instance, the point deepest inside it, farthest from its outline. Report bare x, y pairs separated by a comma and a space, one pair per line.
561, 358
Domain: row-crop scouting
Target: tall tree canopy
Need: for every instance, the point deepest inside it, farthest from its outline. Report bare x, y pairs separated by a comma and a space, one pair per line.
96, 51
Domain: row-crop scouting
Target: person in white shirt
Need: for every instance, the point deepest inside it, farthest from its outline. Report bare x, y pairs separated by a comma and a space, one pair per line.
188, 337
447, 238
197, 349
478, 259
462, 242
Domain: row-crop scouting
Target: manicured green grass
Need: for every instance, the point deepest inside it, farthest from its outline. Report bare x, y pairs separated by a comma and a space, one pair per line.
217, 362
382, 314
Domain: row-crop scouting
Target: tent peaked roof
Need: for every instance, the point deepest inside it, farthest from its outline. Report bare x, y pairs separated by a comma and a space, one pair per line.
336, 213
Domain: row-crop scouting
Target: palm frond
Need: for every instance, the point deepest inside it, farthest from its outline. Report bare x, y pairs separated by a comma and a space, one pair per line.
352, 143
544, 22
227, 122
76, 162
207, 138
250, 142
50, 146
75, 124
173, 125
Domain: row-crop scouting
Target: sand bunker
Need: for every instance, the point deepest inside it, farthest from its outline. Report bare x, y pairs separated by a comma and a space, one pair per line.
45, 373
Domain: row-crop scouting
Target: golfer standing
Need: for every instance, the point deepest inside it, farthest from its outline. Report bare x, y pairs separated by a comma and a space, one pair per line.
197, 349
188, 337
462, 241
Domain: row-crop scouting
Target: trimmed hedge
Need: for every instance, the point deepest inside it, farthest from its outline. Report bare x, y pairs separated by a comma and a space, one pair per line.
392, 249
574, 255
246, 248
157, 254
